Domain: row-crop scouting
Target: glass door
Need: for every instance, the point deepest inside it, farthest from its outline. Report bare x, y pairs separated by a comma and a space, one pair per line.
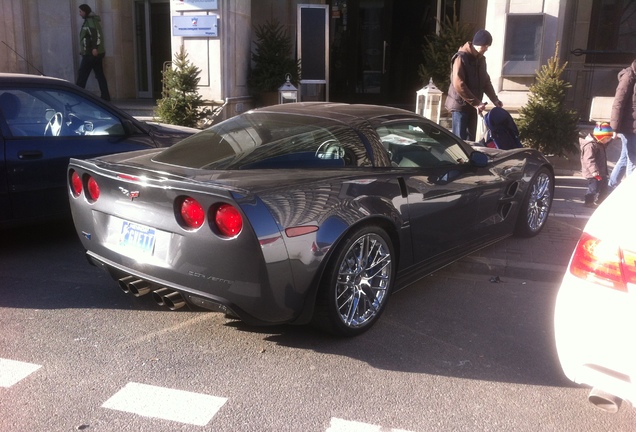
360, 50
373, 48
142, 48
376, 49
152, 45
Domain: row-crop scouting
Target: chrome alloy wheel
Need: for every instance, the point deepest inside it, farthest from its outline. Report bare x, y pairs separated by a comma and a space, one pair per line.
539, 201
363, 280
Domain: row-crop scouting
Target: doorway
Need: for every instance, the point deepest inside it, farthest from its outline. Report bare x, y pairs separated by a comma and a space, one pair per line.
152, 45
376, 49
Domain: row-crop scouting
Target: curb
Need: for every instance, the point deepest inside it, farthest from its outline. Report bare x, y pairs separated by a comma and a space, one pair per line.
501, 268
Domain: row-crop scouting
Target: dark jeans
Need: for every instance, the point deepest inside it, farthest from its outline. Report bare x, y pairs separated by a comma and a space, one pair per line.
594, 188
465, 123
91, 63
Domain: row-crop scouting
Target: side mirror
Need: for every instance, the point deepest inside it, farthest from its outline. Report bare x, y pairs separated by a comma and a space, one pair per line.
479, 159
129, 127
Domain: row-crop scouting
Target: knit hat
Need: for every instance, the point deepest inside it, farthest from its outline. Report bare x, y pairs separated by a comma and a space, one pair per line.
85, 8
482, 38
602, 130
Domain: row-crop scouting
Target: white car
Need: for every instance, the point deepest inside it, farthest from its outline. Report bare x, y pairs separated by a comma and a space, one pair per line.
595, 313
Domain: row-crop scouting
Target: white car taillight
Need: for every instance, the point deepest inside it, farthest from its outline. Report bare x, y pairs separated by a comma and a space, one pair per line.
604, 263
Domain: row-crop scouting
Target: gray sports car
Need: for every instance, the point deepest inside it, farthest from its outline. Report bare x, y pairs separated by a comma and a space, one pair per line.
302, 213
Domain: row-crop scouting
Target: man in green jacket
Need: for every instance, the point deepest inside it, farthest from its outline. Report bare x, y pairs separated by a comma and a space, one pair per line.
92, 51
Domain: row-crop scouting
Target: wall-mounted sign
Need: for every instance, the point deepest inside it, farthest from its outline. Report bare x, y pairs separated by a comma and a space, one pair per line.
190, 5
195, 26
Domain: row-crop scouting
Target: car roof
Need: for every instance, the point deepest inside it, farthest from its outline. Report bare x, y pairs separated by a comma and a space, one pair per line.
336, 110
26, 78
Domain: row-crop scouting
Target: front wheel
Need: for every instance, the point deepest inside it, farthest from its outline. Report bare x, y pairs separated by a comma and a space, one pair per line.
536, 204
357, 283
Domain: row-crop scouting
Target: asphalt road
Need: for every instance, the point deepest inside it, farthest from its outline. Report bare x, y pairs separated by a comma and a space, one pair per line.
469, 348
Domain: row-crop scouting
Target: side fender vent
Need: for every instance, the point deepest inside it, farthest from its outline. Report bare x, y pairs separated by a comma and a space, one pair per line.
504, 209
512, 189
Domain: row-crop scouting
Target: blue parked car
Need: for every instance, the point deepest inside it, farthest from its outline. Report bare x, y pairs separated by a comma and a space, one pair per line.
46, 121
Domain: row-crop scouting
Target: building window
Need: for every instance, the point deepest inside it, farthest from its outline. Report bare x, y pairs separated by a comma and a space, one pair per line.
612, 32
522, 52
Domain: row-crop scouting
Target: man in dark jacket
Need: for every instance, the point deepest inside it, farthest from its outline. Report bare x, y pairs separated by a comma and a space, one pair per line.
92, 51
623, 121
469, 82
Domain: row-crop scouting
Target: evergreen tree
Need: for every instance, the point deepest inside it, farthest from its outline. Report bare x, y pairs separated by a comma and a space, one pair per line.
181, 103
544, 123
272, 59
439, 49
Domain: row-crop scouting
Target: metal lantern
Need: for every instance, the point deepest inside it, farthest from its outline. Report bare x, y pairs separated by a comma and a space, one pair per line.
287, 93
428, 102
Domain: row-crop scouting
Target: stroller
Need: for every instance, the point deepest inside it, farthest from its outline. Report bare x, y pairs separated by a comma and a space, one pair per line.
501, 130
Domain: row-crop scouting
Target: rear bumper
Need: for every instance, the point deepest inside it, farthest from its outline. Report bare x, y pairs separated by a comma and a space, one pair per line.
193, 297
595, 334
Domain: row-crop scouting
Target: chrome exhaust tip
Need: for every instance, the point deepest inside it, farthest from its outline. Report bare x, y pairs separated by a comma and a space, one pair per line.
139, 287
174, 300
605, 401
124, 283
159, 294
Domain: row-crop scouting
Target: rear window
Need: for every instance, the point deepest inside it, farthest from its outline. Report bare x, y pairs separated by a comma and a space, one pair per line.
268, 141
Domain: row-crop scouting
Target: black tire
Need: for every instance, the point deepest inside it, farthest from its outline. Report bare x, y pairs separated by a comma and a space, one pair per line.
536, 205
361, 274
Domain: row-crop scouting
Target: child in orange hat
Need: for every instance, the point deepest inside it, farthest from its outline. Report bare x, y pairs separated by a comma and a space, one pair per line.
594, 163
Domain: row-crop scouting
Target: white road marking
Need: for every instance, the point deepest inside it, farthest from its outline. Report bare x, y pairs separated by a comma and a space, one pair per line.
12, 371
340, 425
164, 403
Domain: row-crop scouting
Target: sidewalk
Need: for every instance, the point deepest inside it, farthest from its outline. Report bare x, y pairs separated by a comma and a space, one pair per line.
141, 109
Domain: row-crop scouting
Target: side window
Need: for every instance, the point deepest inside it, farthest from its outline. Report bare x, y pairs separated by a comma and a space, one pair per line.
79, 116
35, 113
414, 144
24, 114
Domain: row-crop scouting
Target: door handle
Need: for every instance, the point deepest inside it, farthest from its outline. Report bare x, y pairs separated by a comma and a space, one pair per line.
30, 154
384, 47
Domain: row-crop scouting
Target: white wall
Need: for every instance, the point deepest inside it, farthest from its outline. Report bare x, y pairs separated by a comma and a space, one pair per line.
513, 92
223, 60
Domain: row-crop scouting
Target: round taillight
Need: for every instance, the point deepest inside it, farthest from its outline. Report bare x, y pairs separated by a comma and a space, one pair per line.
93, 189
192, 213
228, 220
76, 184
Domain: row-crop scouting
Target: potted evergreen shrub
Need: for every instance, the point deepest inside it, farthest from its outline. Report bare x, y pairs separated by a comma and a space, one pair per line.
181, 104
545, 123
272, 61
438, 50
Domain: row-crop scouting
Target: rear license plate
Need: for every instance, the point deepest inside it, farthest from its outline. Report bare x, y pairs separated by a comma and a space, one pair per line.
137, 237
